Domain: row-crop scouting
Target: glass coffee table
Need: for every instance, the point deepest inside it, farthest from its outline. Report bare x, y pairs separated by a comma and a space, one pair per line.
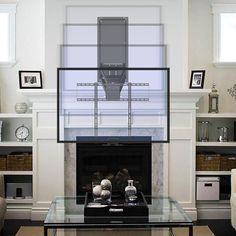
164, 213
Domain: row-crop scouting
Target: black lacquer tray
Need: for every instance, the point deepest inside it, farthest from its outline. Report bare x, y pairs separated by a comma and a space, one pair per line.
117, 210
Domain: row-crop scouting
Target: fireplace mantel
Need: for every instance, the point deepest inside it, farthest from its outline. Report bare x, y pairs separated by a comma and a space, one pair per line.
189, 96
186, 98
48, 155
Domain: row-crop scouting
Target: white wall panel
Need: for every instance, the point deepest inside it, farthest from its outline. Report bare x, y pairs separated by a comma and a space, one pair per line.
180, 120
46, 119
181, 170
49, 171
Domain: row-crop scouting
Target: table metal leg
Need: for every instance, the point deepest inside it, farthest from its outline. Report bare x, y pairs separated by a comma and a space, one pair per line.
190, 230
45, 231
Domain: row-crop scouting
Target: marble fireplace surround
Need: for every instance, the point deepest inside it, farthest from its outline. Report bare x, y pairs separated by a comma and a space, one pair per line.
70, 169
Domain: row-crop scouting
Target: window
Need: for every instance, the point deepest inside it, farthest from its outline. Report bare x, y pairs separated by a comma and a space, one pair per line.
224, 35
228, 37
7, 34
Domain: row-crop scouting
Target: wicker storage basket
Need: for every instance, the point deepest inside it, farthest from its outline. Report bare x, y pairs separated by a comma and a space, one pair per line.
227, 163
207, 162
19, 162
3, 162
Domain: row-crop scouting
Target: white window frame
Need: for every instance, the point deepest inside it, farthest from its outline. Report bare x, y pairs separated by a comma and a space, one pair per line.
217, 10
11, 10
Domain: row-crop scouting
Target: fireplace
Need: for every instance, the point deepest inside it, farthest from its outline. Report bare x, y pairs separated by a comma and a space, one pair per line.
115, 161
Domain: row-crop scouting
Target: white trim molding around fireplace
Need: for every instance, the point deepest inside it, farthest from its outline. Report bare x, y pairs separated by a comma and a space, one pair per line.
178, 166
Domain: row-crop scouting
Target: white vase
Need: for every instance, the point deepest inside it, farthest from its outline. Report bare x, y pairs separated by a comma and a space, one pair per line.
21, 107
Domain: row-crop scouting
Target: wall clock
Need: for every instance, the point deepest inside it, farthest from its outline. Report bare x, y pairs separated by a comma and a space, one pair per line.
22, 133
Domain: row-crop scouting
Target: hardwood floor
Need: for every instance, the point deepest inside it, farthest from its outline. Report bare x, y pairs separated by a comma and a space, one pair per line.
12, 226
218, 227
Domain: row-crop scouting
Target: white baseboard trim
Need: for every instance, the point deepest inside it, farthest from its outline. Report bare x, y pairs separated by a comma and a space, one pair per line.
39, 214
14, 213
29, 213
192, 213
214, 214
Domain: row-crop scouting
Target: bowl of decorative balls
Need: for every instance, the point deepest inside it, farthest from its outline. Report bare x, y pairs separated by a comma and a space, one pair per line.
103, 191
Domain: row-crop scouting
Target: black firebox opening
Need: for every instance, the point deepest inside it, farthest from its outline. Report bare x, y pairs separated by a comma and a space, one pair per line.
117, 162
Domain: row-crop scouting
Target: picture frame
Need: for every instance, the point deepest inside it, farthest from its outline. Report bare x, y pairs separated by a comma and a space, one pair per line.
197, 79
30, 79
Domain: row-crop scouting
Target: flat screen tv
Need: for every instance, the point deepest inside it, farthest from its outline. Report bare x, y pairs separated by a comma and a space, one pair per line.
113, 103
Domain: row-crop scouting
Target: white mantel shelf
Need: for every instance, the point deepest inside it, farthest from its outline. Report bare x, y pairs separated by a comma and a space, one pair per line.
180, 99
189, 92
39, 95
176, 96
186, 98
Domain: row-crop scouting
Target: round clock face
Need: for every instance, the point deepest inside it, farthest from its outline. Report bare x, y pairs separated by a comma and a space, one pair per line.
22, 133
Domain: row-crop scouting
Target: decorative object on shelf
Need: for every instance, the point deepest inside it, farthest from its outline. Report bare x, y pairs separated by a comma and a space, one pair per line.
130, 191
232, 91
213, 100
119, 210
106, 184
30, 79
208, 188
21, 107
227, 162
19, 161
22, 133
102, 191
96, 189
203, 135
3, 162
197, 79
208, 162
106, 190
106, 195
223, 134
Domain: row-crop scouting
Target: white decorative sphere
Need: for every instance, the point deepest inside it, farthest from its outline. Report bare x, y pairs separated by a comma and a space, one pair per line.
106, 184
97, 190
105, 194
21, 107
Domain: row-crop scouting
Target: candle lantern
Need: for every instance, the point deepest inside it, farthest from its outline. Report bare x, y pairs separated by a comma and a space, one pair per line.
213, 100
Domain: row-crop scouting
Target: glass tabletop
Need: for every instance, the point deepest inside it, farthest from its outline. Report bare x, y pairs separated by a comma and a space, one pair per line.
162, 211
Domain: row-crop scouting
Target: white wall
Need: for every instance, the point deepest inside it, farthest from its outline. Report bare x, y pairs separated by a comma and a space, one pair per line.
201, 56
29, 50
39, 34
33, 54
173, 15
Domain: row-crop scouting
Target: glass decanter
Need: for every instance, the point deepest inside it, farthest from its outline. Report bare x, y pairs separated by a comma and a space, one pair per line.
130, 191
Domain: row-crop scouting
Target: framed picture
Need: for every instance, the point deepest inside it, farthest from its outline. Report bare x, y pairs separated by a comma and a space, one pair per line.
197, 79
30, 79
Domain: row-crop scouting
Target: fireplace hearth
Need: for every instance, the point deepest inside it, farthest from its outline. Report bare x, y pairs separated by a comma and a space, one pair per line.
117, 162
